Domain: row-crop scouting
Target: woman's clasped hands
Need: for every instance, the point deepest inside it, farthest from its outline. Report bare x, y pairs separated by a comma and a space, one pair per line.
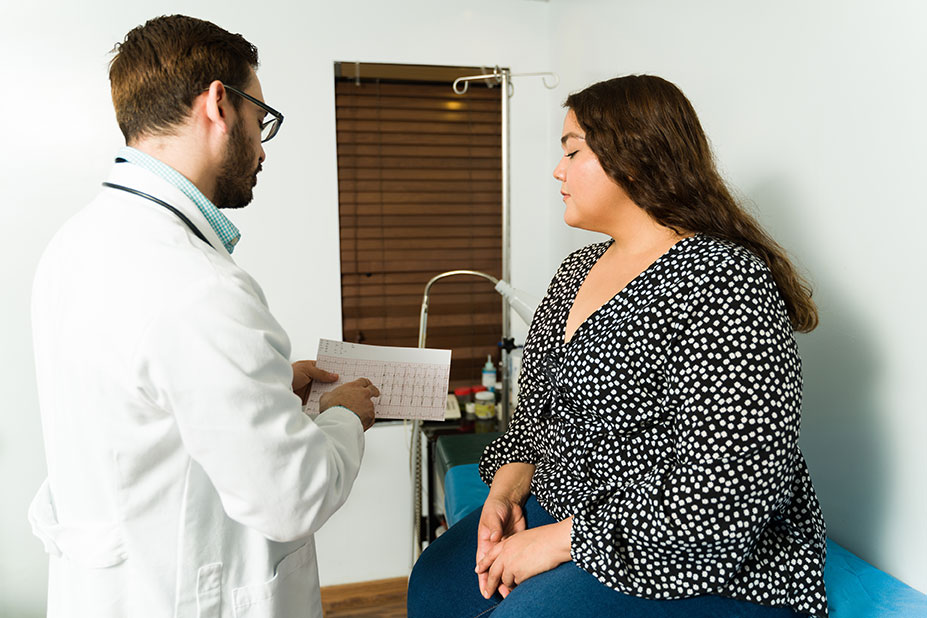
508, 552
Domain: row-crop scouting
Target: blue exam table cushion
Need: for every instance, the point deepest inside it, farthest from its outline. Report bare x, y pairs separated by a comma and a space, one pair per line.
464, 491
855, 588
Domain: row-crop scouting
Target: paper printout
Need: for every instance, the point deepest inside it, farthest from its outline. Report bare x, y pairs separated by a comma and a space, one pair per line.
412, 381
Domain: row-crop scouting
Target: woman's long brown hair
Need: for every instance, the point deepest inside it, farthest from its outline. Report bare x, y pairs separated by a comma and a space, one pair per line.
649, 140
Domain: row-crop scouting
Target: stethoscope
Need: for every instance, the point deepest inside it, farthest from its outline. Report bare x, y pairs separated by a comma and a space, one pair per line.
159, 202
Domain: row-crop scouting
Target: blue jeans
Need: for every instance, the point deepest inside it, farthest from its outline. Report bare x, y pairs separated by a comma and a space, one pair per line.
444, 585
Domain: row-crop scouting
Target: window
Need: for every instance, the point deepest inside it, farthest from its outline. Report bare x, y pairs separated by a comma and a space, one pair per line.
420, 193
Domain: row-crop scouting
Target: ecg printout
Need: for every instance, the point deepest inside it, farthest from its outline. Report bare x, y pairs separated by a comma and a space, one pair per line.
412, 381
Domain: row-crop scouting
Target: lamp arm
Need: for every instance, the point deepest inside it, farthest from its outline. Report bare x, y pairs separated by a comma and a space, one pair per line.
423, 318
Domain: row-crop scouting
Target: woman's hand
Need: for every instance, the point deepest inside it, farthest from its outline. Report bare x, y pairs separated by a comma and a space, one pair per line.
522, 555
304, 372
500, 519
502, 514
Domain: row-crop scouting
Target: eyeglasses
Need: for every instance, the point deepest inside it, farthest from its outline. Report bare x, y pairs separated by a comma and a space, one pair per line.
270, 127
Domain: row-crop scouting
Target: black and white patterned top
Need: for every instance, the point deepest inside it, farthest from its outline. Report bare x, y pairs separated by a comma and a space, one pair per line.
668, 428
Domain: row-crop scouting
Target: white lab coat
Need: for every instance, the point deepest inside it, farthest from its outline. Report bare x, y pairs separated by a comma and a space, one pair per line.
183, 477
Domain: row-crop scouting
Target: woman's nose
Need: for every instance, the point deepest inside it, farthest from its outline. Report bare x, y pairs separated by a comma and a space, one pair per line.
559, 171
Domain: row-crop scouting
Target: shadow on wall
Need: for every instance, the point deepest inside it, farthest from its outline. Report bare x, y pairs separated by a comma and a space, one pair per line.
14, 612
842, 437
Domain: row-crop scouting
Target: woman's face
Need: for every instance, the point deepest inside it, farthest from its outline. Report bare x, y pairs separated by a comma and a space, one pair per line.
593, 200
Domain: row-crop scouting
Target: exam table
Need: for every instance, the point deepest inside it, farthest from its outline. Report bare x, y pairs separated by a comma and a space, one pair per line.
855, 588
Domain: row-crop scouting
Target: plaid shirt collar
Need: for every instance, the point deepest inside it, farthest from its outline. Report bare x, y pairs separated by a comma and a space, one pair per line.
225, 229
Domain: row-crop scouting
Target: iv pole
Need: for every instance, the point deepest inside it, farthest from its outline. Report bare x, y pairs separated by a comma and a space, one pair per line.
503, 77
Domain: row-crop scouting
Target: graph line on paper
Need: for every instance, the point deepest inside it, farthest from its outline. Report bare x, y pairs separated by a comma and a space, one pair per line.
412, 381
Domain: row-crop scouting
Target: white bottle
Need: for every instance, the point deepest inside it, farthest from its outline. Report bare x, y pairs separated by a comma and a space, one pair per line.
489, 373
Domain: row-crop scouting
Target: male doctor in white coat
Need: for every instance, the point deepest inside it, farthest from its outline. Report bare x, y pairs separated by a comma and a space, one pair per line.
184, 478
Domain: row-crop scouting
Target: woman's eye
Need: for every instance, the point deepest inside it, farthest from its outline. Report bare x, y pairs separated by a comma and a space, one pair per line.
570, 155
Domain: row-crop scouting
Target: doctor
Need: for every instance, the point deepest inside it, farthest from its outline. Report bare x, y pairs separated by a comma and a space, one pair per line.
183, 477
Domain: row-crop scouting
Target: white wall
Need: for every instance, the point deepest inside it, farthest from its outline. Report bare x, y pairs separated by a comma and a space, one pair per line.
816, 112
59, 137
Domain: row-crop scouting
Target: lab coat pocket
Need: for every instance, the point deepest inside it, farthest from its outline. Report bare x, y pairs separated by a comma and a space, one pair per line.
90, 544
209, 591
292, 591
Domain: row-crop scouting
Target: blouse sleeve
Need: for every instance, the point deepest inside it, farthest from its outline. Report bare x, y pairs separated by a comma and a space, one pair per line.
733, 392
519, 442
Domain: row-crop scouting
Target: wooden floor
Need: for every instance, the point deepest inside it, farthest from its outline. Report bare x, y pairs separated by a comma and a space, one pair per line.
384, 598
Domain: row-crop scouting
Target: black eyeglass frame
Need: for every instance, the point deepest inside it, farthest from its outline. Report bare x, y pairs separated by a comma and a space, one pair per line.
278, 117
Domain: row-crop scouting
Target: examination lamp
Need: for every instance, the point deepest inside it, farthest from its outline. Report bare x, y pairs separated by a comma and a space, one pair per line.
524, 306
522, 303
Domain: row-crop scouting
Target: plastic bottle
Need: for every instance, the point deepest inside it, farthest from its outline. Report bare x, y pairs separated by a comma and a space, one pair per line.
489, 373
464, 395
485, 405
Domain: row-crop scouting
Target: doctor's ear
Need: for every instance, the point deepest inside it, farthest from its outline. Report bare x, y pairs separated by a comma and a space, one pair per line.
216, 102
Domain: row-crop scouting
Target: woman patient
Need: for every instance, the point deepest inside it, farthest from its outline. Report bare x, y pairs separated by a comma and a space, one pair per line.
652, 467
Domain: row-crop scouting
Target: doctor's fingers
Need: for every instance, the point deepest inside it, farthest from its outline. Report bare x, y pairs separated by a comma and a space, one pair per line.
307, 370
368, 386
320, 375
303, 393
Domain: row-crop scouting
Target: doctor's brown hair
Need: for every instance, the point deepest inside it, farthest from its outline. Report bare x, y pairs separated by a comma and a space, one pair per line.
162, 66
648, 139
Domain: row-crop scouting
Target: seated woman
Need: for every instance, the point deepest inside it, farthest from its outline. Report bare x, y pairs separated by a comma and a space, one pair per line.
652, 467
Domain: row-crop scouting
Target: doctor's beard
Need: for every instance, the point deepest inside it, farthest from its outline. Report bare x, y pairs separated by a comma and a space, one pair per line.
236, 178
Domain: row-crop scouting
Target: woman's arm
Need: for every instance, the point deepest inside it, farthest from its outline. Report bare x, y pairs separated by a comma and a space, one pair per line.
512, 482
520, 441
506, 465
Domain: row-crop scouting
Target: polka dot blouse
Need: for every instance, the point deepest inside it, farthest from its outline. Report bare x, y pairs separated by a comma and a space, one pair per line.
668, 428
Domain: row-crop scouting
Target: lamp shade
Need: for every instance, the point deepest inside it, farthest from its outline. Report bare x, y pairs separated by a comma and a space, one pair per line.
523, 304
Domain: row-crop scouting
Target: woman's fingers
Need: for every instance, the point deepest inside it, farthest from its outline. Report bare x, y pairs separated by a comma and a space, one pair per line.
493, 578
488, 558
489, 530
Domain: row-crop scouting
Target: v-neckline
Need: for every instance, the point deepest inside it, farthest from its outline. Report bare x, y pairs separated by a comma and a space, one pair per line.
631, 284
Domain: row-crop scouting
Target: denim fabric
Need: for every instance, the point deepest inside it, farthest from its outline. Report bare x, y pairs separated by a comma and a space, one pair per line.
444, 585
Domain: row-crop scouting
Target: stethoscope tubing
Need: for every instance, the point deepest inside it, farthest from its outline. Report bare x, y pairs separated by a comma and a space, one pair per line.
163, 204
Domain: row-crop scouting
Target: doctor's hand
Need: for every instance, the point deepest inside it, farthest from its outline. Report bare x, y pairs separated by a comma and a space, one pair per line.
355, 396
304, 372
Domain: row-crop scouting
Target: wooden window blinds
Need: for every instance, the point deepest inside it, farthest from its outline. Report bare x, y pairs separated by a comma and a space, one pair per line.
420, 193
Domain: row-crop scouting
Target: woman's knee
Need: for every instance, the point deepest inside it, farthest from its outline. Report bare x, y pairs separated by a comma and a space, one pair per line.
443, 576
